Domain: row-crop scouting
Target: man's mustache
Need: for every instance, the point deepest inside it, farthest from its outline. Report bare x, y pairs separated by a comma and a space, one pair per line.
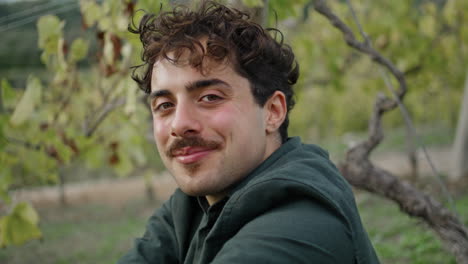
191, 142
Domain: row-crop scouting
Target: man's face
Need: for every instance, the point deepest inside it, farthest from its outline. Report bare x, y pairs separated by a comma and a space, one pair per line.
209, 131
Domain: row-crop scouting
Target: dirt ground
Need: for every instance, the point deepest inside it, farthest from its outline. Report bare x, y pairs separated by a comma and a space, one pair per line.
398, 163
117, 192
110, 191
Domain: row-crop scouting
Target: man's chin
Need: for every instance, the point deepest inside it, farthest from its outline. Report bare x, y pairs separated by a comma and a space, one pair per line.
192, 168
193, 185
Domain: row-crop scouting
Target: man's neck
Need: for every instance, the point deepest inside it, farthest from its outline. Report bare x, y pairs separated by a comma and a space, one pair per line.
273, 144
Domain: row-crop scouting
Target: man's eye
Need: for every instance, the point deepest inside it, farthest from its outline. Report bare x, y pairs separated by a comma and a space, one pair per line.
210, 98
163, 106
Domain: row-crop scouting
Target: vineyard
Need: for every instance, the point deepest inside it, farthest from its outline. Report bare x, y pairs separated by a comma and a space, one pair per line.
70, 114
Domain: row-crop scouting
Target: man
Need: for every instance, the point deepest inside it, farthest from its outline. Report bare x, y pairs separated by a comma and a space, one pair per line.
220, 92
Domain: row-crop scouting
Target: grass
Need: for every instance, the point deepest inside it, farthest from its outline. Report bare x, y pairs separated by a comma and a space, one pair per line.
399, 238
86, 234
101, 234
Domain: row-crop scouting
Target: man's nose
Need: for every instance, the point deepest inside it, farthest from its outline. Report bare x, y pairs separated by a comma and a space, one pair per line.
186, 121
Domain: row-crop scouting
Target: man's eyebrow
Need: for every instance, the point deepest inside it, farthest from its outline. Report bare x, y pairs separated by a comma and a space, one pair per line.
196, 85
200, 84
158, 93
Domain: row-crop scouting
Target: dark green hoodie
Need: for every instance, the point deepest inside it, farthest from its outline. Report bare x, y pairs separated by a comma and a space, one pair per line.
293, 208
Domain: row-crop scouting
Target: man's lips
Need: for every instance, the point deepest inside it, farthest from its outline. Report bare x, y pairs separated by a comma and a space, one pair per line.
189, 155
191, 149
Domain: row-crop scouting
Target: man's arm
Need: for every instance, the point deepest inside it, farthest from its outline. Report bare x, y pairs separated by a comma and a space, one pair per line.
158, 244
297, 232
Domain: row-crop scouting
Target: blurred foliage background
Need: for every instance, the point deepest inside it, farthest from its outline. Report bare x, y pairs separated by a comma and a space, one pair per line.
69, 111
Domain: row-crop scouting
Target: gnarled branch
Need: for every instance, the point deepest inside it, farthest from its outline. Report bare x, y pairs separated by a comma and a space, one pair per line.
362, 173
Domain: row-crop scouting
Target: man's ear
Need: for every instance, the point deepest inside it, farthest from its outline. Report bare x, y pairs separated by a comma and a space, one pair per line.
275, 112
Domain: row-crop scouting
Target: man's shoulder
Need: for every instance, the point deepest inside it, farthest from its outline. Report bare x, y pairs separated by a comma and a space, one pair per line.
301, 219
293, 198
296, 230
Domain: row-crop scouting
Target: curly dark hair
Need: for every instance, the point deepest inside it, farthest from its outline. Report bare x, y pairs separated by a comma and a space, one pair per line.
254, 52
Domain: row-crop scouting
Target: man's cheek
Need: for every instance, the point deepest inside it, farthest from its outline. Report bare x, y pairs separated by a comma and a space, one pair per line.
160, 130
161, 135
225, 117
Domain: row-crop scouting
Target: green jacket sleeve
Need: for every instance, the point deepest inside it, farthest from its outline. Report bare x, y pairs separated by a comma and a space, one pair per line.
297, 232
158, 244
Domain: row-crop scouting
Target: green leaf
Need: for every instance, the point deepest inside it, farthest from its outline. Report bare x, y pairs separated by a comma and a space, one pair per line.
125, 166
52, 178
105, 24
449, 12
3, 141
46, 58
8, 93
79, 50
5, 182
61, 70
91, 11
50, 30
64, 151
28, 102
253, 3
427, 25
31, 168
94, 156
20, 226
152, 6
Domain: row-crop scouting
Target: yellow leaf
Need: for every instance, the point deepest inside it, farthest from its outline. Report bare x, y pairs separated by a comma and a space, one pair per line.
8, 94
20, 226
79, 49
29, 100
449, 12
253, 3
427, 25
26, 212
5, 181
49, 30
91, 11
